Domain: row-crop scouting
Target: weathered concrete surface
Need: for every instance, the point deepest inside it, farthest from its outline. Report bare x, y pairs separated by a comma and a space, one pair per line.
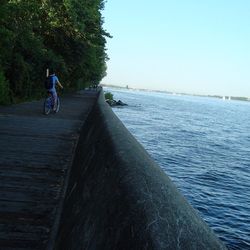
118, 198
36, 151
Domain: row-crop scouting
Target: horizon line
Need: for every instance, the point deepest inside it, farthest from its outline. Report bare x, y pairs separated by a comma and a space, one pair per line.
244, 98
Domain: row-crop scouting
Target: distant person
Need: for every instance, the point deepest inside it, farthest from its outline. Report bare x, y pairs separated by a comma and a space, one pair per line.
51, 82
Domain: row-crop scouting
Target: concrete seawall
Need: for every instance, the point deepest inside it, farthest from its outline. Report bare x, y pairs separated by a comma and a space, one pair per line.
118, 198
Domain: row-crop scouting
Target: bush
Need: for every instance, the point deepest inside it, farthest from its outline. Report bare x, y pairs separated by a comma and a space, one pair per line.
4, 90
108, 96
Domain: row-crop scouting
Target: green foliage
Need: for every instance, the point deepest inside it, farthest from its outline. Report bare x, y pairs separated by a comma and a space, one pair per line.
66, 35
109, 96
4, 90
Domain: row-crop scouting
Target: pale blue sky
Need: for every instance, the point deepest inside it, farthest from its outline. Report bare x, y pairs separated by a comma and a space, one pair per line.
193, 46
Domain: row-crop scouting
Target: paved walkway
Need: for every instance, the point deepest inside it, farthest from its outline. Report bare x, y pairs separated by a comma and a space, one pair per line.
35, 153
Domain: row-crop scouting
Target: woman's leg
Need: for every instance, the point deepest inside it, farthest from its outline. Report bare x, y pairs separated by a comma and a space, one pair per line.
54, 94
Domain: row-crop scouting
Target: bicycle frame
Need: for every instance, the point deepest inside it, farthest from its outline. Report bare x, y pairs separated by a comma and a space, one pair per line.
49, 104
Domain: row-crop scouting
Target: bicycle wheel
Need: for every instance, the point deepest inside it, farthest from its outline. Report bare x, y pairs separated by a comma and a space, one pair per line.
57, 105
47, 105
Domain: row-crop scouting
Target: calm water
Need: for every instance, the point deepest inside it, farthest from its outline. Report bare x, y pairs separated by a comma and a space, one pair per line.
203, 145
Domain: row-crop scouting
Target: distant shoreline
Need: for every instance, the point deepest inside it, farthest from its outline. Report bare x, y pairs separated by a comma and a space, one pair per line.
227, 98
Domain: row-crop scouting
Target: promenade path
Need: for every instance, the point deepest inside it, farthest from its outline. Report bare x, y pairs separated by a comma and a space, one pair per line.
36, 152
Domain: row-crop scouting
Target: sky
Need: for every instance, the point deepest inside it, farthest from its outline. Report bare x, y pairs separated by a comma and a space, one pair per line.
191, 46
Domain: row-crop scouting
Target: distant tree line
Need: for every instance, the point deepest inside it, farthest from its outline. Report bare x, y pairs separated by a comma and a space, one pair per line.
66, 35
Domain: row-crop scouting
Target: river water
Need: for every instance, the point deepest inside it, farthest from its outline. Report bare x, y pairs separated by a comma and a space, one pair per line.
203, 145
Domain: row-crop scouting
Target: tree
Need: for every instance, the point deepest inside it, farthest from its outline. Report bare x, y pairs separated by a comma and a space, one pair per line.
64, 34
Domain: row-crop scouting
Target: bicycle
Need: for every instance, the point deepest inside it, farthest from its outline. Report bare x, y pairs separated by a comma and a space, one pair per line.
49, 104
